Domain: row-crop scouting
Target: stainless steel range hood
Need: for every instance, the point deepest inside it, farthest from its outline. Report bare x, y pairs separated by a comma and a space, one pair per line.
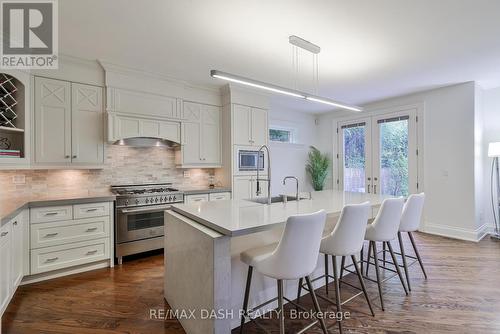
146, 142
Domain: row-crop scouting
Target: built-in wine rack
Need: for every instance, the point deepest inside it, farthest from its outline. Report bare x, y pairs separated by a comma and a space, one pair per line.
8, 101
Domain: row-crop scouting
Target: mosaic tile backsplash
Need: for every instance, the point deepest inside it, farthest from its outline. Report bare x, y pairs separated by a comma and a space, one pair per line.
123, 165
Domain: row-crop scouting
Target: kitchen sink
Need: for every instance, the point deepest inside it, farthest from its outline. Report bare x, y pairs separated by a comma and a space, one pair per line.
274, 199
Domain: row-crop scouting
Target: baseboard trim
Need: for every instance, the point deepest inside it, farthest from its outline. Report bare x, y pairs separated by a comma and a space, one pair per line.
456, 232
65, 272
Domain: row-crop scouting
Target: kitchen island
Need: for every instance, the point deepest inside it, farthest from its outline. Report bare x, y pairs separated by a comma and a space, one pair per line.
204, 277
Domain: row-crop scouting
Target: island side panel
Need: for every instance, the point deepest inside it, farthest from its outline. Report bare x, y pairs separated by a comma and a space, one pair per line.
197, 273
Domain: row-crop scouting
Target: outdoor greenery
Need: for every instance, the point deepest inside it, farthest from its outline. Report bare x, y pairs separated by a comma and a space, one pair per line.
394, 157
317, 168
279, 135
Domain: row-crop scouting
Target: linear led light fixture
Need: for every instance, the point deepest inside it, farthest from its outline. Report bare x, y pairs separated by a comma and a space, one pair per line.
281, 90
303, 44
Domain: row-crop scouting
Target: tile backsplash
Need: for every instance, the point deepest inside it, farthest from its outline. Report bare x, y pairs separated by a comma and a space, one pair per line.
123, 165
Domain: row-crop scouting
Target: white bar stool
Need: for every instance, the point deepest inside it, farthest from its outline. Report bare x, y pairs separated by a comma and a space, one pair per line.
346, 239
410, 221
294, 257
384, 229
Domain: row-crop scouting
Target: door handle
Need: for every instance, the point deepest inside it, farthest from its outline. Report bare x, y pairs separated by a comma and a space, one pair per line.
91, 210
92, 252
91, 229
368, 187
51, 213
52, 259
51, 234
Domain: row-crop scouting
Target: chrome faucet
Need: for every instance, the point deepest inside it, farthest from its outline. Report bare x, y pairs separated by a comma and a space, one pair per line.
296, 181
259, 192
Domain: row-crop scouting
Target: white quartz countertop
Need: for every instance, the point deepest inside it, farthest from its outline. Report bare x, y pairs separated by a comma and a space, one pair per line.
240, 217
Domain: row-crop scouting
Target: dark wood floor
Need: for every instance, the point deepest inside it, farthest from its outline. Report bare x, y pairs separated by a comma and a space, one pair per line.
462, 295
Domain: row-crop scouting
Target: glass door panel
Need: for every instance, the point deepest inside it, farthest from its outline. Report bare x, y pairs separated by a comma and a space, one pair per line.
394, 165
355, 160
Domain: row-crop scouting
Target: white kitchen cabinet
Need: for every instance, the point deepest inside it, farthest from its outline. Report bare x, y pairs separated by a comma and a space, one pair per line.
201, 136
259, 127
250, 125
18, 250
5, 265
219, 196
87, 125
245, 187
68, 124
190, 199
191, 145
52, 121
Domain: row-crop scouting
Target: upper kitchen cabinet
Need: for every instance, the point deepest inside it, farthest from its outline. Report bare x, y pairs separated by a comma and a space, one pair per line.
15, 87
69, 124
201, 136
249, 125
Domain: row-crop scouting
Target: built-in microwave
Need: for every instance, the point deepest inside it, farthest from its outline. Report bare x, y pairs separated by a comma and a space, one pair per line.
250, 160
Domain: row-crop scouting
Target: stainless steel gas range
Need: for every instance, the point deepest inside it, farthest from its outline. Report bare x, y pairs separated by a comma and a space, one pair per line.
139, 216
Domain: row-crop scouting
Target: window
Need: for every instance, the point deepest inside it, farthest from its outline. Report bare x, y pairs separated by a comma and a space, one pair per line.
281, 135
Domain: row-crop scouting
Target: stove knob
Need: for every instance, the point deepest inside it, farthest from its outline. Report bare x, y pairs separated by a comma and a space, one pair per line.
170, 198
147, 200
156, 199
126, 202
136, 201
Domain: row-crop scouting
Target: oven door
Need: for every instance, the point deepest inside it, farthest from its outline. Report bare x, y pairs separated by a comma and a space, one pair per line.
139, 223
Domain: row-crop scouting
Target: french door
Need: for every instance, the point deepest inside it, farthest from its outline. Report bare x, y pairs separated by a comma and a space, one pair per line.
378, 154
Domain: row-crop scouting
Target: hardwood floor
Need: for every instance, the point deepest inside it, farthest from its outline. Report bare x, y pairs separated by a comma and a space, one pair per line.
462, 295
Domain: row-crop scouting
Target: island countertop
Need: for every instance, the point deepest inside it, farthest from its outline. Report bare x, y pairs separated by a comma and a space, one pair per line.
240, 217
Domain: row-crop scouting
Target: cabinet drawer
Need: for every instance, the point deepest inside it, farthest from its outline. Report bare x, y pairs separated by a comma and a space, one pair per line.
58, 257
219, 196
59, 233
190, 199
90, 210
51, 214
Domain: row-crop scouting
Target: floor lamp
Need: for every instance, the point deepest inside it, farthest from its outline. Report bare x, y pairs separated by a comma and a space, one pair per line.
494, 152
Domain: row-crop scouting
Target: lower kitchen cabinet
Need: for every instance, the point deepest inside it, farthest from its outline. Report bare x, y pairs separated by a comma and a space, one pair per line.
197, 198
5, 265
13, 257
245, 187
71, 235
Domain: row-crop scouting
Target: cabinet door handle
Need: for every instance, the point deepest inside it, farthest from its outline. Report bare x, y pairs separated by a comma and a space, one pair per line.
14, 223
52, 259
368, 187
74, 157
374, 188
4, 234
92, 252
51, 214
91, 229
51, 234
66, 156
91, 210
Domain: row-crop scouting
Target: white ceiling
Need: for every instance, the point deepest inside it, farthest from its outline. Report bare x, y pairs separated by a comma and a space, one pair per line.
370, 50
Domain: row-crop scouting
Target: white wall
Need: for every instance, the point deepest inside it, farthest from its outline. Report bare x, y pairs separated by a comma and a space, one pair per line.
290, 159
449, 153
490, 133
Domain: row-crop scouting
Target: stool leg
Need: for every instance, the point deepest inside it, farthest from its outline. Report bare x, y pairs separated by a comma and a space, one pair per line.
397, 266
361, 256
377, 271
280, 307
418, 255
405, 264
316, 305
342, 265
337, 291
326, 273
362, 282
383, 254
245, 299
369, 256
299, 290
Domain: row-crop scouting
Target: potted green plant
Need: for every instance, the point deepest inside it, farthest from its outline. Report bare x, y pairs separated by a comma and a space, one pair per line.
317, 167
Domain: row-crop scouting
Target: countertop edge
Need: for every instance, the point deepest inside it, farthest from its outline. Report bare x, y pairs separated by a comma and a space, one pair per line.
52, 202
